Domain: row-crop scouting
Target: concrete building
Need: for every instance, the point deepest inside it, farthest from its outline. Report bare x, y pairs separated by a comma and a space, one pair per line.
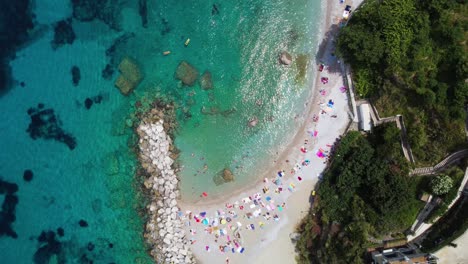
404, 255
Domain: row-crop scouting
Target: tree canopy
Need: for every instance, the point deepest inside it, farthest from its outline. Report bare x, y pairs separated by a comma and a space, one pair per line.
366, 192
409, 56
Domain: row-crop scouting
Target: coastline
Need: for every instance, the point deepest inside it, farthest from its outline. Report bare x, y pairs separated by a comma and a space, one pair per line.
273, 245
270, 243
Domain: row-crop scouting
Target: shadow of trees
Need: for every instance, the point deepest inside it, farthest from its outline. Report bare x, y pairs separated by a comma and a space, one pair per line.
326, 50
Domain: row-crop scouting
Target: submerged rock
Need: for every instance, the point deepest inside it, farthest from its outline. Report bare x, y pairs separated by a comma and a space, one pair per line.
130, 76
88, 103
28, 175
143, 11
253, 121
83, 223
7, 215
108, 11
49, 249
186, 73
107, 72
76, 75
63, 33
285, 58
45, 124
205, 81
227, 175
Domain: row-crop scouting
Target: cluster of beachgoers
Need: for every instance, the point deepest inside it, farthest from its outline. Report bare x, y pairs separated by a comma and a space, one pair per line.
164, 230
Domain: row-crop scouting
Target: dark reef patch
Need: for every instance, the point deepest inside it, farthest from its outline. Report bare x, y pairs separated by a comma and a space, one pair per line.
108, 11
76, 75
114, 56
88, 103
46, 124
60, 232
165, 27
90, 246
143, 10
93, 100
28, 175
7, 215
48, 247
214, 10
16, 19
63, 33
107, 72
83, 223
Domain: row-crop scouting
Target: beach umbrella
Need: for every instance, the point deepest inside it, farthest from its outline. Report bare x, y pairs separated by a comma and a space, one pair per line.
203, 214
205, 194
223, 221
268, 198
228, 219
205, 221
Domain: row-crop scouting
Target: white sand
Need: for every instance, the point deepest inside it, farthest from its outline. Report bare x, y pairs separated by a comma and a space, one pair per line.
272, 243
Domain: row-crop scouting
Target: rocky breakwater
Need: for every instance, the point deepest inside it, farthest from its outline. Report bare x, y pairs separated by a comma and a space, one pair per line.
164, 229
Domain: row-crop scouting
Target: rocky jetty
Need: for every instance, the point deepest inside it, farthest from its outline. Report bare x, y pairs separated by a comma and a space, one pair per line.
164, 229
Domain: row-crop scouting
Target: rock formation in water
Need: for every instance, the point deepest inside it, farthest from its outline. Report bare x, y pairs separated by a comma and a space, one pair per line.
130, 76
16, 22
143, 11
63, 33
186, 73
285, 58
45, 124
28, 175
227, 175
164, 229
205, 81
76, 75
49, 248
92, 100
108, 11
7, 215
253, 121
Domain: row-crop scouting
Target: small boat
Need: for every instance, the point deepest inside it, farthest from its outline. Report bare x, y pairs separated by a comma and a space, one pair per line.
187, 42
165, 53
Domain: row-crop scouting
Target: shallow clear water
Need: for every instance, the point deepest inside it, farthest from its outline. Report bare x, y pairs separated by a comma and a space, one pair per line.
95, 181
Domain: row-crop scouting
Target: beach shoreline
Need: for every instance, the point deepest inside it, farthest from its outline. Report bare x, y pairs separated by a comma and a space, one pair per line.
295, 139
253, 224
272, 243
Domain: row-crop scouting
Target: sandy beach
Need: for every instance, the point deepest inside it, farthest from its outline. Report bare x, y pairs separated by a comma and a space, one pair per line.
253, 225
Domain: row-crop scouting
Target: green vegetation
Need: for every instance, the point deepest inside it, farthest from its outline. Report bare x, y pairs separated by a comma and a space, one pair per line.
456, 175
448, 228
410, 58
441, 184
365, 193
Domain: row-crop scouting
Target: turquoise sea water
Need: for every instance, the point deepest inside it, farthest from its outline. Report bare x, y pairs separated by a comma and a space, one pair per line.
95, 181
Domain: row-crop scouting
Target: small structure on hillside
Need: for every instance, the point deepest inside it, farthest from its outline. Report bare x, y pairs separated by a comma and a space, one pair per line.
364, 117
402, 255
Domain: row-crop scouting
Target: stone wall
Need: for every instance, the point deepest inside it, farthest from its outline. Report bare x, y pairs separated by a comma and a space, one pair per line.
164, 229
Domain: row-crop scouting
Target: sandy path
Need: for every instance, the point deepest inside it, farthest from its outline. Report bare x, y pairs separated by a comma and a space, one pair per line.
271, 244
